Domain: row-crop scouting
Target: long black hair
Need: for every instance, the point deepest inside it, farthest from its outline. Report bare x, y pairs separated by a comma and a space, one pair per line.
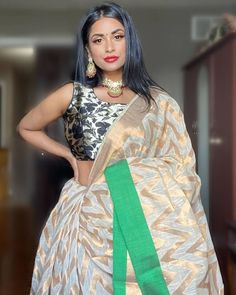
135, 75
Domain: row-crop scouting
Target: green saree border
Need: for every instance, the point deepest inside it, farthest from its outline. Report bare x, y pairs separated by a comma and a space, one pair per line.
131, 232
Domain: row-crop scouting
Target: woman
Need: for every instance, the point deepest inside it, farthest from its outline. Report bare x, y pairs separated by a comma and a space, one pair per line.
131, 220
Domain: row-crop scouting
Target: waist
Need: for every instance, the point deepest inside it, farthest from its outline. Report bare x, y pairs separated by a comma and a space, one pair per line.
84, 168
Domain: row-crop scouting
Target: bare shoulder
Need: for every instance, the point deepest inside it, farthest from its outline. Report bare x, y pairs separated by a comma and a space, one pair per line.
61, 97
49, 109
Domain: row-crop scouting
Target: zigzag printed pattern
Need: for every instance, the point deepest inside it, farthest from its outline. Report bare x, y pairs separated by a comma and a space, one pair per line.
75, 248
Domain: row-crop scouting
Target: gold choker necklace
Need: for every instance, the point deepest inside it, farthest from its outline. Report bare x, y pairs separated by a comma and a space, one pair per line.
115, 88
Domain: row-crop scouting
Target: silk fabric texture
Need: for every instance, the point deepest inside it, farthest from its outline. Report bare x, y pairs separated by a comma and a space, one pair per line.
75, 253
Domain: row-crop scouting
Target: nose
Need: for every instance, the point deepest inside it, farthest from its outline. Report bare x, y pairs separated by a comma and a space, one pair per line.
109, 45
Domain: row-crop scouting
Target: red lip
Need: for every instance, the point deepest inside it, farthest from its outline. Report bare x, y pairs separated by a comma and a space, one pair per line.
111, 58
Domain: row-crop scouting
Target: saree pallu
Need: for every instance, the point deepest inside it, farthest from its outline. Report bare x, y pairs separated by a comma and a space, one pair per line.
75, 253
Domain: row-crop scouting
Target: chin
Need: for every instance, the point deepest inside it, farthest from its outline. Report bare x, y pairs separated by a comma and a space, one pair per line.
112, 68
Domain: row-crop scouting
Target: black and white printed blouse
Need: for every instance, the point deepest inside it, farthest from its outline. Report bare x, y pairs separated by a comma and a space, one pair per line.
86, 121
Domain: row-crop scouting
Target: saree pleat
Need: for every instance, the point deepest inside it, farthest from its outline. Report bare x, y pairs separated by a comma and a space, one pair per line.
75, 253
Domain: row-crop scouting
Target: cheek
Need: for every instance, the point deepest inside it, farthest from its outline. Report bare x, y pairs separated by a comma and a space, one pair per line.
123, 47
123, 50
95, 52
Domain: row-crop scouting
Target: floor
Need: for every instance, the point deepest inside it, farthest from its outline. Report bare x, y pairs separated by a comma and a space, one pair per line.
17, 250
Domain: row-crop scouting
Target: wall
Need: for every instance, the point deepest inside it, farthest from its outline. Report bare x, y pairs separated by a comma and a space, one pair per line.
165, 37
164, 33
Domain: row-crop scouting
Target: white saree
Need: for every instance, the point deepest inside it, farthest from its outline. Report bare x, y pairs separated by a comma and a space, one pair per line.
75, 252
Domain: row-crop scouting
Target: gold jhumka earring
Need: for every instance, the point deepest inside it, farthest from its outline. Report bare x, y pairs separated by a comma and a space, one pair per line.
91, 69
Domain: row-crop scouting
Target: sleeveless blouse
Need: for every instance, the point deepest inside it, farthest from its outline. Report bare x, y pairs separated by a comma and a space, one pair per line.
86, 121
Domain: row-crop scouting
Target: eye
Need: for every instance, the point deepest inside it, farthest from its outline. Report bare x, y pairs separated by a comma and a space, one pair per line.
117, 37
97, 41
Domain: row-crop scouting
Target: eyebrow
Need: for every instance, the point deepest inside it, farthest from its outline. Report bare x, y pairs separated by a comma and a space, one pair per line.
101, 35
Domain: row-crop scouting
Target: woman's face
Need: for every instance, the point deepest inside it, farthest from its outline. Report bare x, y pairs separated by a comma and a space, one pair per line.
106, 44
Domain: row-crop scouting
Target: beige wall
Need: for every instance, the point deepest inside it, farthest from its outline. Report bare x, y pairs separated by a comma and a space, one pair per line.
165, 37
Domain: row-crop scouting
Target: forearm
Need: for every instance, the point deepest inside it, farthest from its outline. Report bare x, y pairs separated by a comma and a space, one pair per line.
43, 142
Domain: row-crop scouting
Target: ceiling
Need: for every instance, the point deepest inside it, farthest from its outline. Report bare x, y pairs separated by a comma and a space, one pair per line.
78, 4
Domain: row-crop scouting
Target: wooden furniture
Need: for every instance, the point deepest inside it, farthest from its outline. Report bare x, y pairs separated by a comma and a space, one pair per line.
17, 249
231, 228
219, 97
3, 174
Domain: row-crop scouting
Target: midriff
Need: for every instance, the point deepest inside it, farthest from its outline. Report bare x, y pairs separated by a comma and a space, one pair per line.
84, 168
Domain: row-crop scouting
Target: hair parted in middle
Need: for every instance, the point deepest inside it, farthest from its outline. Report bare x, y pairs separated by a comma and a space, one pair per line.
135, 75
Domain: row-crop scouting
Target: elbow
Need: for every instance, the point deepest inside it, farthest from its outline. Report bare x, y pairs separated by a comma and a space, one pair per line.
19, 129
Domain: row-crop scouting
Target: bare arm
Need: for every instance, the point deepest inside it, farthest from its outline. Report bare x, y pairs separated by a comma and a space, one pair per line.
32, 124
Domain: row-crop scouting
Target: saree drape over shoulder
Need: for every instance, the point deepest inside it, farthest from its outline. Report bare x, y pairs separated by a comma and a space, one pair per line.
155, 206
